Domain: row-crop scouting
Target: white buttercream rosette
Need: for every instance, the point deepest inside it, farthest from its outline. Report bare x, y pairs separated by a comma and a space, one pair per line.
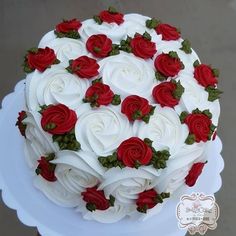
128, 75
64, 48
77, 171
100, 129
55, 85
165, 129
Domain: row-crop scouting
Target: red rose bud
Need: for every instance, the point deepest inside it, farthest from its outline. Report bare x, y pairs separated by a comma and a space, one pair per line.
199, 125
99, 45
41, 59
68, 25
134, 152
84, 67
168, 32
99, 94
163, 94
46, 169
205, 76
168, 66
111, 17
147, 200
194, 173
19, 123
95, 199
142, 47
58, 119
135, 107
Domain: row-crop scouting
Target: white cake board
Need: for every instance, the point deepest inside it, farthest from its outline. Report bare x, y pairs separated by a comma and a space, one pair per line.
34, 209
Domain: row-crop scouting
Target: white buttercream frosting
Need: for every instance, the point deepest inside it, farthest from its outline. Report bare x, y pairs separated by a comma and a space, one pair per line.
56, 192
101, 130
38, 142
55, 85
112, 31
65, 48
77, 171
195, 96
128, 75
125, 184
165, 129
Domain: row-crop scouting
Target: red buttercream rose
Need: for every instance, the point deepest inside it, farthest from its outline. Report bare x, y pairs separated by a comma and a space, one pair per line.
99, 94
22, 127
167, 65
204, 75
85, 67
68, 26
46, 169
168, 32
163, 94
58, 119
199, 125
99, 45
142, 47
147, 200
194, 173
134, 104
96, 197
42, 59
109, 17
134, 152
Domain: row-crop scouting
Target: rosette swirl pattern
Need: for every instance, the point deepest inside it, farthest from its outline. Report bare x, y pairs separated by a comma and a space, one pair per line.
102, 130
196, 97
112, 30
128, 75
77, 170
126, 184
55, 86
165, 129
56, 192
65, 49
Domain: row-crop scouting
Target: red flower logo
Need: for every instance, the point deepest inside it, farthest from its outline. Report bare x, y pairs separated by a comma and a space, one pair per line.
99, 45
84, 67
205, 76
168, 32
40, 59
142, 47
167, 65
58, 119
95, 199
194, 173
134, 152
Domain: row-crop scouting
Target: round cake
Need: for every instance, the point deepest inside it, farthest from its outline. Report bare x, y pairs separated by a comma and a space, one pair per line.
119, 115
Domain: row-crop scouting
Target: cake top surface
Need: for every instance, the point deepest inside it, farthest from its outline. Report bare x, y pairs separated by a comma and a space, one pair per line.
119, 114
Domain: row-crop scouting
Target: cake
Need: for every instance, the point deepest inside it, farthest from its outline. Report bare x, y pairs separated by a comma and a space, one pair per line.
119, 115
